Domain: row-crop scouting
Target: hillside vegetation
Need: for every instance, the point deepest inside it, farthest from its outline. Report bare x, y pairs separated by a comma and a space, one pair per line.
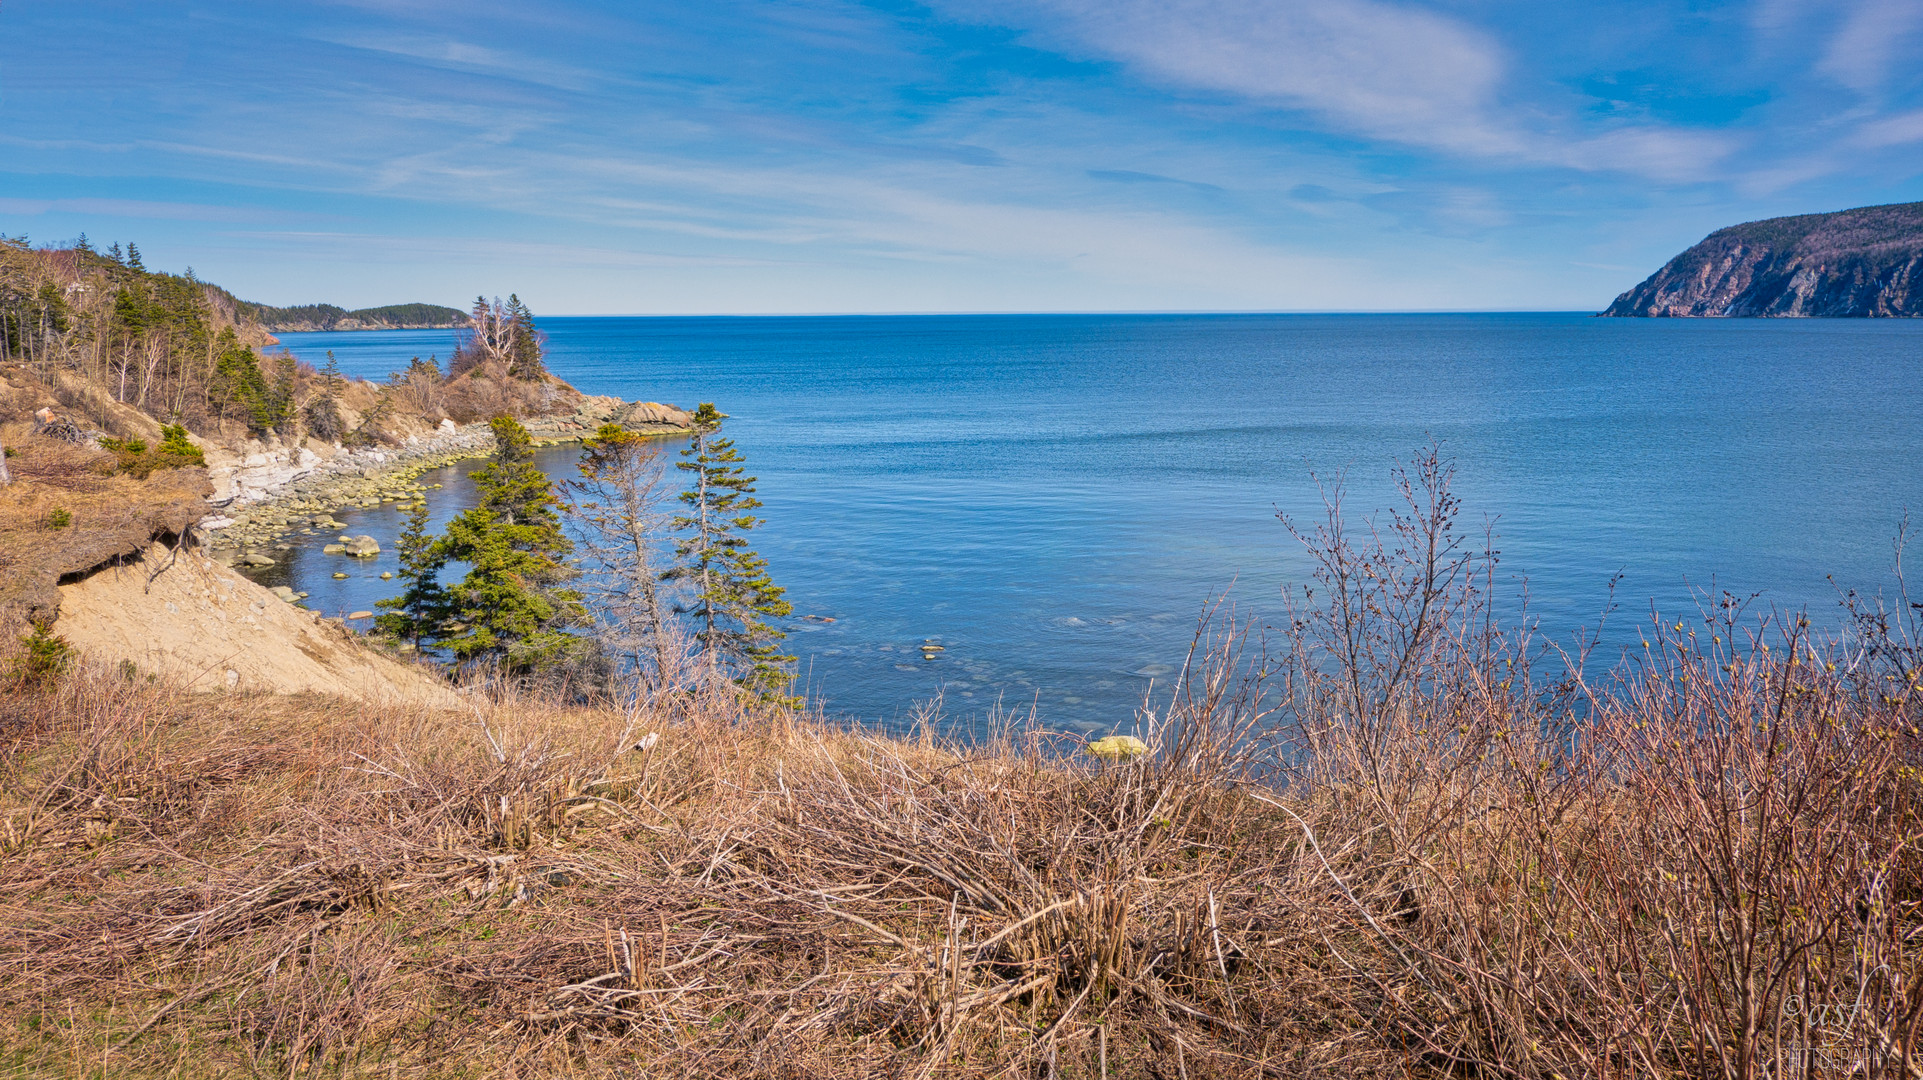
1863, 262
122, 347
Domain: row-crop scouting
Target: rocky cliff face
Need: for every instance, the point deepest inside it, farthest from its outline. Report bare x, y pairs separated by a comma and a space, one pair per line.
1864, 262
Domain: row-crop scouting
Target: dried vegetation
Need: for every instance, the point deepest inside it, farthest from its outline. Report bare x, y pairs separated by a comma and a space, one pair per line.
68, 510
1389, 844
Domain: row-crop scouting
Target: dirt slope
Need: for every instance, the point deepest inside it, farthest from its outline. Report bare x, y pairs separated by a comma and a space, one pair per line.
203, 623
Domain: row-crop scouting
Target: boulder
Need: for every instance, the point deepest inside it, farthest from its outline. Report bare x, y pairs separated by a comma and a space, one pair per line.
334, 549
285, 593
255, 558
362, 547
360, 615
1117, 748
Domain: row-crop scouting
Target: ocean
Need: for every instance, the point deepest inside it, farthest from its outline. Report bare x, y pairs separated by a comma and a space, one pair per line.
1055, 499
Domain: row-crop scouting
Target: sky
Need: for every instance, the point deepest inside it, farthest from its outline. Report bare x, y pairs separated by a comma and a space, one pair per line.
736, 156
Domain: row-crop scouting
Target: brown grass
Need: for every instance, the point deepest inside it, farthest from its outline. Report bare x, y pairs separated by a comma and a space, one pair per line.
1382, 848
107, 516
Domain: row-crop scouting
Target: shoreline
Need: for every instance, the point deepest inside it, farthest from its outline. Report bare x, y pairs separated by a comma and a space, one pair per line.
273, 499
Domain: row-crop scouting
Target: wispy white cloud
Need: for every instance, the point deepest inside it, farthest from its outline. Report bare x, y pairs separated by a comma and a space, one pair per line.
141, 208
1898, 130
467, 56
512, 252
1874, 37
1365, 68
773, 154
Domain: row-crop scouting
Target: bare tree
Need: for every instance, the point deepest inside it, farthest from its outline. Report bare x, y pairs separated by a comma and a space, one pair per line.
618, 505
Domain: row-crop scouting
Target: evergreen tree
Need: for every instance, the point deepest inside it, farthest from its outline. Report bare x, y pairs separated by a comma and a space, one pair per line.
323, 413
733, 595
133, 258
511, 605
523, 343
237, 383
331, 375
419, 611
282, 396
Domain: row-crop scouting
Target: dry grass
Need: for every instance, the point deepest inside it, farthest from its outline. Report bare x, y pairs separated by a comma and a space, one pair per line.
1381, 849
231, 885
106, 517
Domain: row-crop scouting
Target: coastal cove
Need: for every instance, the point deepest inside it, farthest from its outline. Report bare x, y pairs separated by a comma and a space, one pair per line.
1054, 498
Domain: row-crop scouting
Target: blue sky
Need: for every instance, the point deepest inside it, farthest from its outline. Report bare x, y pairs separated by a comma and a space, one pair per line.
958, 155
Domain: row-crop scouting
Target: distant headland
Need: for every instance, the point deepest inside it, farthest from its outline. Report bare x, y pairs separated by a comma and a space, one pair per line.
328, 317
1866, 262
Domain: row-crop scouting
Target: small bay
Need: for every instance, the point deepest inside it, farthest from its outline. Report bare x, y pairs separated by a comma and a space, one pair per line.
1053, 499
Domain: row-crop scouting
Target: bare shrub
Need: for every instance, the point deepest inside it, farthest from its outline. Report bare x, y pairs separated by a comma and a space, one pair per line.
1399, 839
1654, 873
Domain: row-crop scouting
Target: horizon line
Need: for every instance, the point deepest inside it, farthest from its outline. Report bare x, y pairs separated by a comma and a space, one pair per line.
1132, 311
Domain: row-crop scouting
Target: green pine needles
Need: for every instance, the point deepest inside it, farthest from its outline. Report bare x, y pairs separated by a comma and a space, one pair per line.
419, 611
518, 606
43, 661
512, 609
734, 598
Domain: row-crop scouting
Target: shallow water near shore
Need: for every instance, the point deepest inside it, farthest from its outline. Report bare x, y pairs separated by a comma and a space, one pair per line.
1053, 499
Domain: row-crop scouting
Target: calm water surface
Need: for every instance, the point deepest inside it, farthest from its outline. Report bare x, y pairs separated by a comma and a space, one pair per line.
1054, 498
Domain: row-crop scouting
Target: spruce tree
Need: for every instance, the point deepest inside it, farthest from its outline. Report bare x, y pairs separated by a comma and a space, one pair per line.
733, 595
331, 376
523, 343
419, 611
322, 415
284, 394
511, 605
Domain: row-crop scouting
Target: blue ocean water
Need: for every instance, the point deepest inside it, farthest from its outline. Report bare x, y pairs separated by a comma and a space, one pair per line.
1054, 498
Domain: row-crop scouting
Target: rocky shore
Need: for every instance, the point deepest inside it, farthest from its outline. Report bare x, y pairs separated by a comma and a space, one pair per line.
263, 496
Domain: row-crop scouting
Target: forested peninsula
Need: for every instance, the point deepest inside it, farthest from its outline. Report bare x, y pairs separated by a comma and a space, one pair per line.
309, 317
1866, 262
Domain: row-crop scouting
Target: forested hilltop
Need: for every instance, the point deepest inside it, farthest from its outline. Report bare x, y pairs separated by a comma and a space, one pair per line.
1862, 262
328, 317
123, 349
